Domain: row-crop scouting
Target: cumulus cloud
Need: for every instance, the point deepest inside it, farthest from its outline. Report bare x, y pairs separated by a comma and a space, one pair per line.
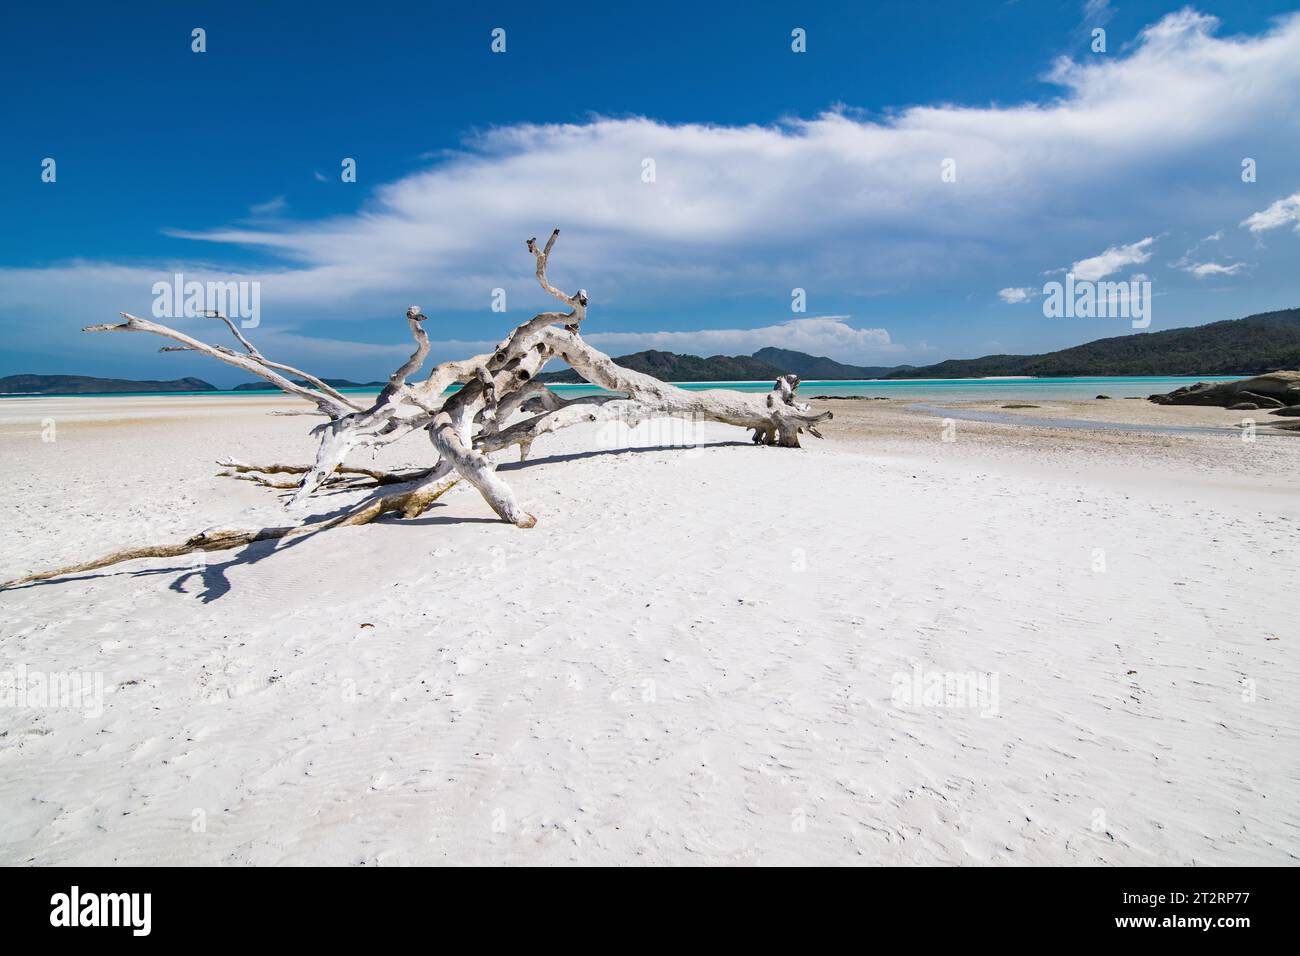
1016, 295
1113, 259
1281, 213
825, 335
839, 204
822, 199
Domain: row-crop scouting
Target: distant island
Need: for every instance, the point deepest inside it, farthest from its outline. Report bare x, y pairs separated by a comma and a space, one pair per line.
764, 365
1250, 346
88, 385
1253, 345
819, 367
671, 367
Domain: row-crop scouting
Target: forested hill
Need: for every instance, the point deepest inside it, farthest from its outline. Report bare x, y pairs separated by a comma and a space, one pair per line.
1249, 346
89, 385
820, 368
671, 367
763, 366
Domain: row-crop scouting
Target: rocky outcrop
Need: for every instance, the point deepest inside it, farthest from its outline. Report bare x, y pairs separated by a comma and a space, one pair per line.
1273, 390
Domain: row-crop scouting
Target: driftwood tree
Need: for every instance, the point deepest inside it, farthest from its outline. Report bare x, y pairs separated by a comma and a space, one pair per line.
464, 426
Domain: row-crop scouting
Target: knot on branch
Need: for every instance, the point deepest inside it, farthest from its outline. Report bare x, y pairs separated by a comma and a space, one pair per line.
485, 379
786, 386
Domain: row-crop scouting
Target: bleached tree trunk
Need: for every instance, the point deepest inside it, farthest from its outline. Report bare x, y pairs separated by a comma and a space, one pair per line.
494, 388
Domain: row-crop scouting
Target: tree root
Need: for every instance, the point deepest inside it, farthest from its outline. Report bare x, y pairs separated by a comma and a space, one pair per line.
411, 502
239, 469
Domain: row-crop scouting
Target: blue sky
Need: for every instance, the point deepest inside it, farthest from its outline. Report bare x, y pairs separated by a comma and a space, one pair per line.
774, 170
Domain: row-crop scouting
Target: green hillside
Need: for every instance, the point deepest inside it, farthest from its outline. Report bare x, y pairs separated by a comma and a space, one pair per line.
671, 367
1249, 346
89, 385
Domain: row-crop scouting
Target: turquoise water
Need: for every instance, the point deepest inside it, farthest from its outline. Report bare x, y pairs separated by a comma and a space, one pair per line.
951, 389
971, 389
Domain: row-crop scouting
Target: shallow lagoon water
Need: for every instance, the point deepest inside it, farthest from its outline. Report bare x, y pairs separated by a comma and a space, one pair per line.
952, 389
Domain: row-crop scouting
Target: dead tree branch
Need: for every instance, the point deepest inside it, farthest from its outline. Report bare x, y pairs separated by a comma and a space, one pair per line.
464, 427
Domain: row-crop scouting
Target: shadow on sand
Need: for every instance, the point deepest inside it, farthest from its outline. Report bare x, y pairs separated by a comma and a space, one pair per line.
213, 577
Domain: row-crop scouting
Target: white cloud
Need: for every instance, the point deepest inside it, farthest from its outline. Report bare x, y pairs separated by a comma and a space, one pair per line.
1015, 295
272, 207
1280, 213
1097, 13
1188, 261
1203, 269
834, 199
839, 204
826, 335
1113, 259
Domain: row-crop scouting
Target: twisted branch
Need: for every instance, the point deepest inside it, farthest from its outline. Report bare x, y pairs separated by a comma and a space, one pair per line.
495, 387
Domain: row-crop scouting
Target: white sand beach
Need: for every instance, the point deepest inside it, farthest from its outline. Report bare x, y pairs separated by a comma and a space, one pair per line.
698, 656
